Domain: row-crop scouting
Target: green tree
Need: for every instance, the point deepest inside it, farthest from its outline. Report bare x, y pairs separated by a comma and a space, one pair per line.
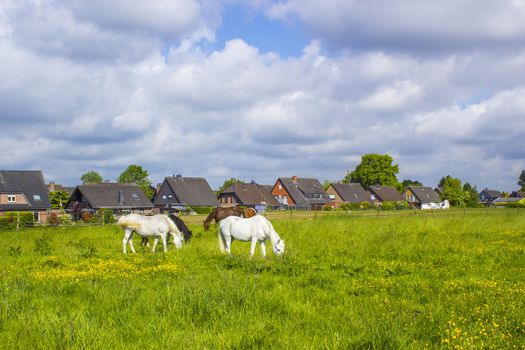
58, 199
91, 177
326, 184
227, 184
521, 180
374, 169
453, 191
473, 201
135, 174
443, 179
409, 182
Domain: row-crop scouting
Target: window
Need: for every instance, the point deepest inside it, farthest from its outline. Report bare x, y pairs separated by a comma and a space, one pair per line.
135, 196
170, 196
163, 196
280, 186
36, 216
11, 198
36, 197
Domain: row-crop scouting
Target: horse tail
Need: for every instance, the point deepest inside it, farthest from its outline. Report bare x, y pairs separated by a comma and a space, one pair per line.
173, 228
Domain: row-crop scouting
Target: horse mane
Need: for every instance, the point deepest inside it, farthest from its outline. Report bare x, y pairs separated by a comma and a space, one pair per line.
211, 215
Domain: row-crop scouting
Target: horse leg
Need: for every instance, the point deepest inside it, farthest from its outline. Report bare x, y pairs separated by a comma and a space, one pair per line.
163, 237
155, 244
126, 239
131, 245
263, 248
252, 248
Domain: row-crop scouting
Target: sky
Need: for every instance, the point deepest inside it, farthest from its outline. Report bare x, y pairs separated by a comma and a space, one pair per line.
261, 89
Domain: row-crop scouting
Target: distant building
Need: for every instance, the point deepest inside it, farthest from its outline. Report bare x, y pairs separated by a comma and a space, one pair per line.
51, 187
24, 191
178, 193
249, 194
487, 196
300, 193
119, 197
348, 193
380, 194
416, 196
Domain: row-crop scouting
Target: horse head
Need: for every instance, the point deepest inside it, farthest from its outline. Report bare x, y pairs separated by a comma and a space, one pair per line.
206, 225
278, 248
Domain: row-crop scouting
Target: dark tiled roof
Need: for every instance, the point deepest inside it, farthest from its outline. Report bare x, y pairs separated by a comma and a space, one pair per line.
303, 188
192, 191
352, 193
107, 195
252, 194
519, 194
425, 194
385, 193
28, 182
492, 193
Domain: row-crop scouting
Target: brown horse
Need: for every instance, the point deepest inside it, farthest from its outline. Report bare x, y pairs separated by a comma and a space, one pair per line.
220, 213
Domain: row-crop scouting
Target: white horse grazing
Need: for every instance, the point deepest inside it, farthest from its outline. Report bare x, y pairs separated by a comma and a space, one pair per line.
256, 228
148, 226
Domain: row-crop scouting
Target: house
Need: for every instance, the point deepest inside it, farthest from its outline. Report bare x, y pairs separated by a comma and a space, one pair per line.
517, 194
119, 197
250, 195
348, 193
300, 193
487, 196
439, 191
509, 200
51, 187
178, 192
24, 191
380, 194
416, 196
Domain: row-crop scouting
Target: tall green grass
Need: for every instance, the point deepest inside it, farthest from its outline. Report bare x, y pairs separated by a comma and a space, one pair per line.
344, 282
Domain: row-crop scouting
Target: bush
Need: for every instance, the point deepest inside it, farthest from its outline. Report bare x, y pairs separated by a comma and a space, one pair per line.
202, 210
64, 218
86, 217
366, 205
402, 205
388, 205
9, 219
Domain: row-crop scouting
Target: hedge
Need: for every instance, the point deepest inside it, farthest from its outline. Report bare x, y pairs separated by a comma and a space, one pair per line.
9, 219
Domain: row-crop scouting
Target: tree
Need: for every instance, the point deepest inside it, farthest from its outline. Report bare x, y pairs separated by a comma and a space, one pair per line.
227, 184
326, 184
58, 199
91, 177
453, 191
374, 169
135, 174
521, 180
443, 179
473, 201
409, 182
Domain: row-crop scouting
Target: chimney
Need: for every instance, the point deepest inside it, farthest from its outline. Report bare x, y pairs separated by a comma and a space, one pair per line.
121, 197
294, 179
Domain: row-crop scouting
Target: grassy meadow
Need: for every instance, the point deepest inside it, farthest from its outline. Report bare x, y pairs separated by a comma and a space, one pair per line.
345, 281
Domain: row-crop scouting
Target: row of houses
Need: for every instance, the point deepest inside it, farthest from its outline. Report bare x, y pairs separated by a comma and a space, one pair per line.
27, 191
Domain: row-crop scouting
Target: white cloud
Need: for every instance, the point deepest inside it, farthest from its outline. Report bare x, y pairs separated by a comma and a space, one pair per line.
240, 112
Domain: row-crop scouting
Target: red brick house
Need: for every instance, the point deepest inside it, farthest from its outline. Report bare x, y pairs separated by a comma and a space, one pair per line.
300, 193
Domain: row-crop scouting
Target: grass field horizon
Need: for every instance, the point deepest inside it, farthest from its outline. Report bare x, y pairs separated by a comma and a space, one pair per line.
345, 281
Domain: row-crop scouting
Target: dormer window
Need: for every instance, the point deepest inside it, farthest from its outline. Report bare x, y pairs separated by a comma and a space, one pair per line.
36, 197
135, 196
11, 198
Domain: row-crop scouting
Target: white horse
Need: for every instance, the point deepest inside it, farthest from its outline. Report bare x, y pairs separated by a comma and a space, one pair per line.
149, 226
256, 228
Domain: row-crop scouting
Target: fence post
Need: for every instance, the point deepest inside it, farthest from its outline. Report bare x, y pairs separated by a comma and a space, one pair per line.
17, 221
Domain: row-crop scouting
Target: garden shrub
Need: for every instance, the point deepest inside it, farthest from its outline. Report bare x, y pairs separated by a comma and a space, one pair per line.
388, 205
365, 205
202, 210
86, 217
